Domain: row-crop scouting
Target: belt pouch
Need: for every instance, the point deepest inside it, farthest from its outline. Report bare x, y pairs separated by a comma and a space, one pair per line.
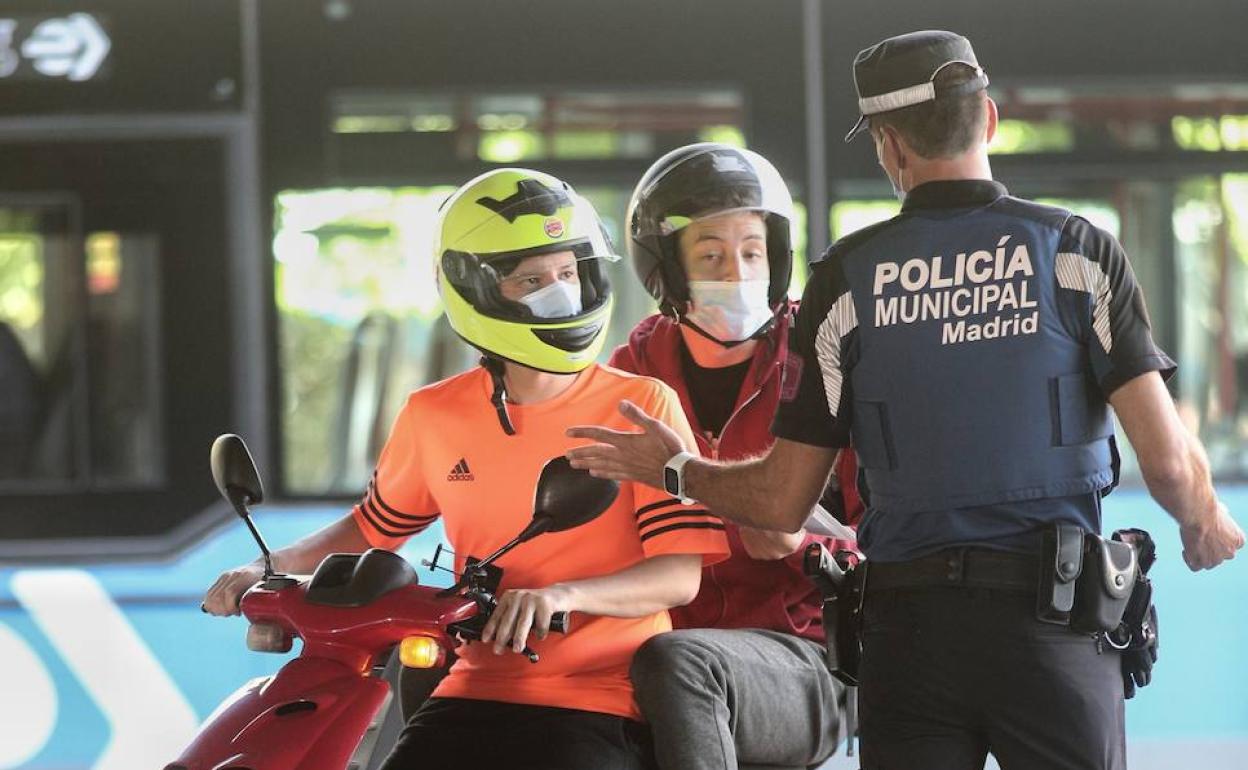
1061, 560
1104, 588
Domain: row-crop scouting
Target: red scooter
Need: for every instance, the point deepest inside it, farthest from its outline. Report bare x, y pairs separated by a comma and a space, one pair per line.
322, 710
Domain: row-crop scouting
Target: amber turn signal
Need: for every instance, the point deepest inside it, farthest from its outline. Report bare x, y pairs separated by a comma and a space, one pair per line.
420, 652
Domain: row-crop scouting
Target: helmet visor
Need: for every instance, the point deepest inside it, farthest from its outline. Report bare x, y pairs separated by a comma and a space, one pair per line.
708, 184
556, 283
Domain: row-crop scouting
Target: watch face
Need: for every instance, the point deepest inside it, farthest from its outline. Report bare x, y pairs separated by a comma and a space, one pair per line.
671, 481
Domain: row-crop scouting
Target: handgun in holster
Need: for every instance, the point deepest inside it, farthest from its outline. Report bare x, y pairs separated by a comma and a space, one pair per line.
837, 578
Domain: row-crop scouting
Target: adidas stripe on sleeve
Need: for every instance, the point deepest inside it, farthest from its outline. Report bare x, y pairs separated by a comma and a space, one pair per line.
387, 520
663, 523
398, 502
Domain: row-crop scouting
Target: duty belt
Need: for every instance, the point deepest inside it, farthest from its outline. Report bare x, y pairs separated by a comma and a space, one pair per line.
964, 567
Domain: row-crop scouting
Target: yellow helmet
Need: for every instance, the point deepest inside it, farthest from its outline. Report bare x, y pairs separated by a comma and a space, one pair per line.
489, 231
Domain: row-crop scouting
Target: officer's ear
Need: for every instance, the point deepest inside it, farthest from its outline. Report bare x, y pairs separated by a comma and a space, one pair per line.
990, 128
892, 144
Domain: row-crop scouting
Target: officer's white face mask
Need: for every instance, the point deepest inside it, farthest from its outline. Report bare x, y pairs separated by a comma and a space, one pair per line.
898, 192
729, 311
559, 299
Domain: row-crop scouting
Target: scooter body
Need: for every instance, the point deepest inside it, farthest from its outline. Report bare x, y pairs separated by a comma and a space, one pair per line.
314, 712
311, 714
317, 711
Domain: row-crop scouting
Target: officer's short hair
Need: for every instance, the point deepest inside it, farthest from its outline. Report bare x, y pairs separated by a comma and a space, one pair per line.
944, 127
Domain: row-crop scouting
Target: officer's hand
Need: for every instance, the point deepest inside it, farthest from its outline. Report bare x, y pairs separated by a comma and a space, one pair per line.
1209, 543
624, 455
222, 598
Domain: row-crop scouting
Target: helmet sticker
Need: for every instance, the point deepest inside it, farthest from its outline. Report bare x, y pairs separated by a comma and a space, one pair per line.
530, 197
554, 227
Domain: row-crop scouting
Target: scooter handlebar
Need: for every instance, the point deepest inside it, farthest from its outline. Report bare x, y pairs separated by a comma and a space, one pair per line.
559, 622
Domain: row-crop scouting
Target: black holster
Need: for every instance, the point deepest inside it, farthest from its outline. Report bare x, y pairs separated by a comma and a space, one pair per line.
838, 580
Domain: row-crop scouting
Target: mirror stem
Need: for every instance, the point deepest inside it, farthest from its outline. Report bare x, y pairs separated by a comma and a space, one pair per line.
490, 559
264, 548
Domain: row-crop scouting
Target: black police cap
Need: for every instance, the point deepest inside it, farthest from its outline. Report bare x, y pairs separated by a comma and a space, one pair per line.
901, 71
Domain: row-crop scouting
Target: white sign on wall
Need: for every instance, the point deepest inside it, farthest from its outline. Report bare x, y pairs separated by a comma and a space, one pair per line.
72, 47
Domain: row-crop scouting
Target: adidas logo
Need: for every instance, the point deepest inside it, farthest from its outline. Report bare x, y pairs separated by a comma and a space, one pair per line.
460, 472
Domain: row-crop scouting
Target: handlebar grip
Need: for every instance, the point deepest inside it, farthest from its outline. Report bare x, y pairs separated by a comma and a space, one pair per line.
559, 622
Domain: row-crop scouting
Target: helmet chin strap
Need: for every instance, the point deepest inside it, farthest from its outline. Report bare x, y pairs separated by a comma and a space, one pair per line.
499, 397
762, 331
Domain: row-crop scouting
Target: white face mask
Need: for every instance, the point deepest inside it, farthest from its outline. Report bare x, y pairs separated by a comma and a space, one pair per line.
897, 188
898, 191
729, 311
559, 299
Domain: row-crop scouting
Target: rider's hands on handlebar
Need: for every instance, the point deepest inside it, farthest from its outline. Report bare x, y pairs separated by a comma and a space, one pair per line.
522, 610
1208, 544
222, 598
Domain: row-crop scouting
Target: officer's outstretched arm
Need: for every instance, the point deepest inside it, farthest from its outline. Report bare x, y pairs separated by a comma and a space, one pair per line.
776, 491
1176, 471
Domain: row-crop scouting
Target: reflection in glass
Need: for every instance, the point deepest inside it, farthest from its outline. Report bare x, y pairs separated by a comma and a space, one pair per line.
358, 325
79, 353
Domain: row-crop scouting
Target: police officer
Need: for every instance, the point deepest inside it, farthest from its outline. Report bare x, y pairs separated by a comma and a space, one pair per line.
971, 347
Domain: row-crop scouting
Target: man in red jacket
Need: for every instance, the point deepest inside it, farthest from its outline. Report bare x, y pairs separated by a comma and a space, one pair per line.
744, 679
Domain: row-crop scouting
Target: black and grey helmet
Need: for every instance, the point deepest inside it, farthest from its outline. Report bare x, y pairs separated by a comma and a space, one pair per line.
697, 181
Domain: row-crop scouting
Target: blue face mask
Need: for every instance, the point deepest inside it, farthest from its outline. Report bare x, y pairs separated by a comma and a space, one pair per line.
559, 299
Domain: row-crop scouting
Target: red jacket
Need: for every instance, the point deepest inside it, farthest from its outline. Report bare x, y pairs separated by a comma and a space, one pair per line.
742, 592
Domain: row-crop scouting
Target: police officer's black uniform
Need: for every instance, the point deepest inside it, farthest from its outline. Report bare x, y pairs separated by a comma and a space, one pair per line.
968, 347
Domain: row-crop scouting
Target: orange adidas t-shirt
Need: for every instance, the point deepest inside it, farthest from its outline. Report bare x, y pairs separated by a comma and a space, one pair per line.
448, 456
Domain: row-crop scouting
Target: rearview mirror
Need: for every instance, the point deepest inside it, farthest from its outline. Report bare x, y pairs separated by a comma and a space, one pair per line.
235, 473
567, 497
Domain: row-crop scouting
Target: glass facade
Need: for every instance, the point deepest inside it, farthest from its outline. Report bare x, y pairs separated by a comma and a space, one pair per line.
79, 353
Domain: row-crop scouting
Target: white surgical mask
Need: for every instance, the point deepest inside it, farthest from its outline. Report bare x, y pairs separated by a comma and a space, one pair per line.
898, 190
559, 299
729, 311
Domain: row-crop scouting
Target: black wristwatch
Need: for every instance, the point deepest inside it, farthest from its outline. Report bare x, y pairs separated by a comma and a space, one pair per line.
674, 476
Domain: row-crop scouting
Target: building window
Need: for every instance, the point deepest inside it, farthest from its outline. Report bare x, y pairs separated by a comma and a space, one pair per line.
566, 125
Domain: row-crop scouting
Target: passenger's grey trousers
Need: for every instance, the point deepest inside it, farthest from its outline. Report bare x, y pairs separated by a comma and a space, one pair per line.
715, 698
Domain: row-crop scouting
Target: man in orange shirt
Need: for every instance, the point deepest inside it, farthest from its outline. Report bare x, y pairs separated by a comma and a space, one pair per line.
520, 271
